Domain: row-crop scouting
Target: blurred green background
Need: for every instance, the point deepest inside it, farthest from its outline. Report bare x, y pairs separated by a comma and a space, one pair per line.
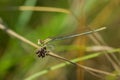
18, 59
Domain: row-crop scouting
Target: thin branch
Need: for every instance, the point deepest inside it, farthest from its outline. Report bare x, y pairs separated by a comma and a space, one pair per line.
12, 33
47, 9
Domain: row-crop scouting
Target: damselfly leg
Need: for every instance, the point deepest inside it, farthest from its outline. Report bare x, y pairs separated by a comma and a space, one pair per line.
42, 52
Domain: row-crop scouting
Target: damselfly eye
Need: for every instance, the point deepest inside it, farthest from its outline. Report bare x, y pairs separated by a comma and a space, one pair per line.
40, 42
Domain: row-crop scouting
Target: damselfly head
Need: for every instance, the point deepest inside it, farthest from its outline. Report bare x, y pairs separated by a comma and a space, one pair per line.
40, 42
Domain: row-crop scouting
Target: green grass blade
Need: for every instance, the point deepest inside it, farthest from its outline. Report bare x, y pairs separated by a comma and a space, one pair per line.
25, 16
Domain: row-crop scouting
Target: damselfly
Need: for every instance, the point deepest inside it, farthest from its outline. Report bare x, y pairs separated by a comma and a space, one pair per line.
42, 52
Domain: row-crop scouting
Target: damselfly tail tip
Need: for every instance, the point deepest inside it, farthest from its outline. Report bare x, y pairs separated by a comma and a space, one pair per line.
99, 29
102, 28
